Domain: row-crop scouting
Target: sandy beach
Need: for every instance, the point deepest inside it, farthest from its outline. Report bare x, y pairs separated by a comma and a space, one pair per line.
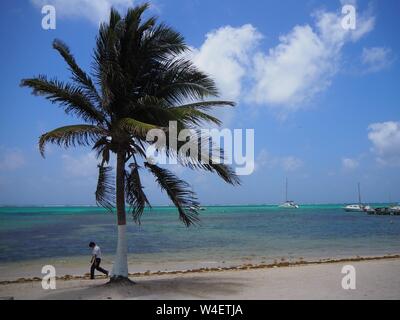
200, 150
375, 279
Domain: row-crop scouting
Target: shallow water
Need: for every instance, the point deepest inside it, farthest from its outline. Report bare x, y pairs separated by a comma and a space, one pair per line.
226, 233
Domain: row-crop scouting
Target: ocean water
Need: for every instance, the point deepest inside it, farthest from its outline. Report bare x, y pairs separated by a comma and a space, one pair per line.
226, 233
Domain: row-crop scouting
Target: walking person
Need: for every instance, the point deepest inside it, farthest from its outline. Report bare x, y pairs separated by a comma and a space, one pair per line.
96, 260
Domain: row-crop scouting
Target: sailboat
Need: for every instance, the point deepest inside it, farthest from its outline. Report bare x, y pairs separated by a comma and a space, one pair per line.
395, 209
288, 204
360, 207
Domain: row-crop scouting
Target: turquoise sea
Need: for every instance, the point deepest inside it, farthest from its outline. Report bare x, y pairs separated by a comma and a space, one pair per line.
226, 233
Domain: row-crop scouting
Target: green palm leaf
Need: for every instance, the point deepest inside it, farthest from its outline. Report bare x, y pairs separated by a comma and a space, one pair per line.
179, 192
135, 195
72, 98
205, 158
105, 190
135, 127
181, 81
207, 105
193, 117
79, 76
226, 173
67, 136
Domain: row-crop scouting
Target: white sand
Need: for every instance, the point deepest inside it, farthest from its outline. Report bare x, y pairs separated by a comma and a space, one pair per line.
375, 280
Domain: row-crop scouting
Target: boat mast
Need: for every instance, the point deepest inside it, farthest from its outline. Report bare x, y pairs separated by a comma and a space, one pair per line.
286, 189
359, 194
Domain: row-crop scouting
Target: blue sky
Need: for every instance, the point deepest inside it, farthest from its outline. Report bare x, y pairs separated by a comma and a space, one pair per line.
324, 102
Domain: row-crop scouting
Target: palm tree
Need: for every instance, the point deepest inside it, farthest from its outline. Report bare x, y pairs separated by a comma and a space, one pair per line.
140, 81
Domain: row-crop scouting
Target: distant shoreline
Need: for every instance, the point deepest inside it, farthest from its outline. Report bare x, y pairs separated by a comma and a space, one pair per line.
203, 205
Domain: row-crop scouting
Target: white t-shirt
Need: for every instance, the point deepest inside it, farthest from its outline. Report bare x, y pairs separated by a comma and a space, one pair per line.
96, 251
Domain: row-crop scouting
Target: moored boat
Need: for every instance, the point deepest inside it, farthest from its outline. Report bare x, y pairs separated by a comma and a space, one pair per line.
360, 207
354, 208
395, 210
288, 204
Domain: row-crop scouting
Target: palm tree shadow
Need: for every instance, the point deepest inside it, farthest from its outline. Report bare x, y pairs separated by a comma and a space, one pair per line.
175, 288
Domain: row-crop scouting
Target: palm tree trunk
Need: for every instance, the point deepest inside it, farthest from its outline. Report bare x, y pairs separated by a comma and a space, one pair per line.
120, 267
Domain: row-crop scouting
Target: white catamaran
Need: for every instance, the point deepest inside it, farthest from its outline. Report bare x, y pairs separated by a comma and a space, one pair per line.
395, 209
288, 204
360, 207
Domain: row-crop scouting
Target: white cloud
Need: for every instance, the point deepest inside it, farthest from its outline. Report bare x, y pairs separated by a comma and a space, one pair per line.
290, 74
225, 55
291, 163
385, 138
95, 10
287, 75
11, 159
80, 166
287, 163
348, 2
376, 58
350, 164
262, 159
304, 62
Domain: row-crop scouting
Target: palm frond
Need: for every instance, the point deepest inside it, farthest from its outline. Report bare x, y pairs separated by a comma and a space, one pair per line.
131, 37
135, 195
73, 135
102, 148
115, 18
193, 117
162, 43
133, 19
208, 156
105, 191
135, 127
151, 110
148, 24
226, 173
181, 81
106, 68
179, 192
207, 105
78, 75
72, 98
193, 113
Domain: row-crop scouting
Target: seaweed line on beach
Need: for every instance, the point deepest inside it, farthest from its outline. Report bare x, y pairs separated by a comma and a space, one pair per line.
216, 269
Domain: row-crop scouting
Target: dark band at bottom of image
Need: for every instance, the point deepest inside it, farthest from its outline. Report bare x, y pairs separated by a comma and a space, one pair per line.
208, 309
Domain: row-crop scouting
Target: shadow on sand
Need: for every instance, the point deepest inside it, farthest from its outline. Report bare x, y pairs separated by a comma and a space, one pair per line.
175, 288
